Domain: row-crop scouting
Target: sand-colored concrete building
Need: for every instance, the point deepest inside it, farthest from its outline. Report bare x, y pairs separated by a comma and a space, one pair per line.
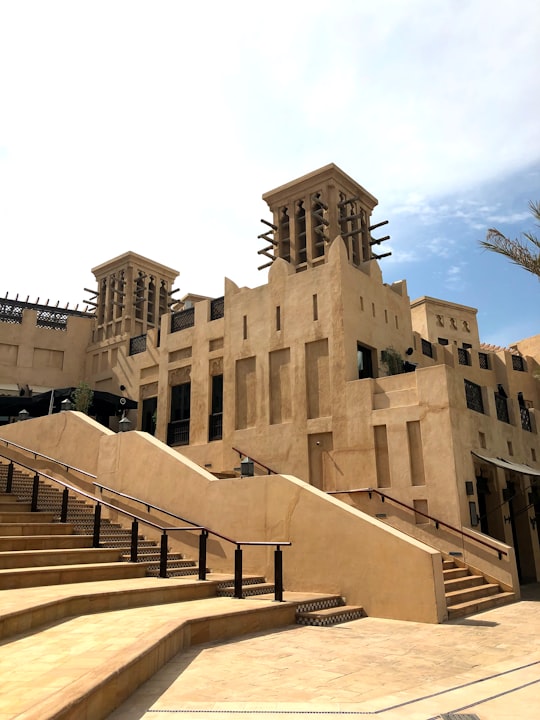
325, 373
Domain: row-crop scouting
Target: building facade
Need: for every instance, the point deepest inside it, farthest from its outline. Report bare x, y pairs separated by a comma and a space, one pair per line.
324, 372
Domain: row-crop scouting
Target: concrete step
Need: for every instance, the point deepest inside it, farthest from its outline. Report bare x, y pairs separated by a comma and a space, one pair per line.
13, 505
104, 674
461, 609
38, 608
463, 582
60, 574
455, 572
26, 517
248, 590
43, 542
330, 616
36, 528
470, 594
150, 555
56, 556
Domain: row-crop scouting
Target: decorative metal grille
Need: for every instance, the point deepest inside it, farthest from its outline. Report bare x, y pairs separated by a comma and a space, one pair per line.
217, 308
11, 313
525, 418
215, 427
463, 356
501, 405
473, 395
427, 348
518, 363
137, 344
483, 360
52, 319
182, 320
178, 432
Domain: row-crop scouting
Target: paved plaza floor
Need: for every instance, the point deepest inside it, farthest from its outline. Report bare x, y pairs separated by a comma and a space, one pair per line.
485, 666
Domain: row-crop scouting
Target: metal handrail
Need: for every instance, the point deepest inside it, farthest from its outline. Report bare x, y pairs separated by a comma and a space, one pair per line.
419, 512
278, 560
260, 464
135, 519
45, 457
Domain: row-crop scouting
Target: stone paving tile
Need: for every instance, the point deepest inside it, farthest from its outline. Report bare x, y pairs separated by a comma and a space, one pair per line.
369, 667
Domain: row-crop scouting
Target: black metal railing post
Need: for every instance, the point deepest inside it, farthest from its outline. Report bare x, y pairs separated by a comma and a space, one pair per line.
9, 480
278, 574
238, 572
35, 493
202, 554
64, 510
97, 525
163, 556
134, 540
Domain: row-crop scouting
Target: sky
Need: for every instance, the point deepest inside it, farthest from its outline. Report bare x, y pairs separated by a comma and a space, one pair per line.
156, 127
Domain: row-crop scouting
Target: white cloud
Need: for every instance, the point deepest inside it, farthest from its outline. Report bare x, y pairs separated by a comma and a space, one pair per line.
156, 127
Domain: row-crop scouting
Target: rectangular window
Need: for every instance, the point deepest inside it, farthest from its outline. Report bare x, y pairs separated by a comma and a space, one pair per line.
427, 348
278, 318
501, 405
483, 360
178, 430
518, 363
364, 359
473, 395
215, 425
464, 357
315, 308
244, 323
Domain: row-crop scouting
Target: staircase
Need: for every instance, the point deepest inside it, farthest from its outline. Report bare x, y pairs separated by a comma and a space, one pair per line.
107, 620
320, 610
65, 549
468, 592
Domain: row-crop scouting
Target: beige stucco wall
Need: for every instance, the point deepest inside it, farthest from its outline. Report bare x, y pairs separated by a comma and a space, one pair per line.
44, 357
335, 548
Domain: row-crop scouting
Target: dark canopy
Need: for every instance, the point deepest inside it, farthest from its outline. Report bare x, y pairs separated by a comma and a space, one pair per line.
103, 404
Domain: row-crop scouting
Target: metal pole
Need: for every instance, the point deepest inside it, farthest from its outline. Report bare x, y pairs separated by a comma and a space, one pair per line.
238, 572
9, 481
278, 574
97, 525
163, 556
35, 492
134, 540
64, 511
202, 554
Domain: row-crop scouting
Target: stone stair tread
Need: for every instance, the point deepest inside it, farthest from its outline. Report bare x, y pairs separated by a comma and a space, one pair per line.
339, 610
466, 583
73, 566
112, 672
253, 589
475, 589
55, 556
330, 616
16, 516
472, 606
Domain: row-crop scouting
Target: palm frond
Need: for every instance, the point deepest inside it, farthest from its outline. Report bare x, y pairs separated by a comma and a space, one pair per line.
520, 252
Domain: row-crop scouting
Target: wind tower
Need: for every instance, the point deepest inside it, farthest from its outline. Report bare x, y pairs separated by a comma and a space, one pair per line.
133, 292
310, 212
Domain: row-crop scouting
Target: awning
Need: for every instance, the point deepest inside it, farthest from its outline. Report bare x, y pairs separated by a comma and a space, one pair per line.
507, 465
103, 403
